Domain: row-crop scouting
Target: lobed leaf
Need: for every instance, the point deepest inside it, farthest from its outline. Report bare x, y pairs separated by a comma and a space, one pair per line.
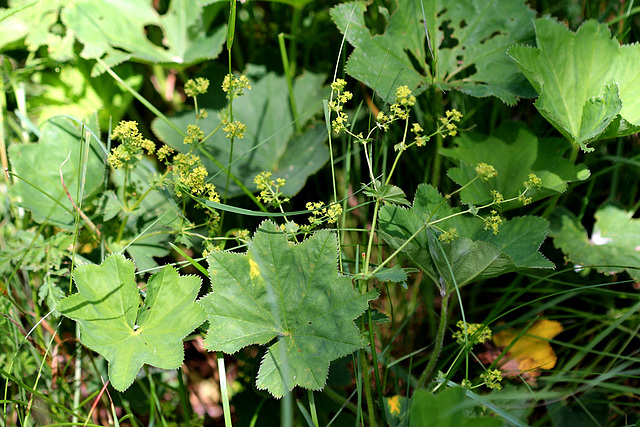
469, 39
515, 153
129, 332
117, 30
475, 255
585, 80
40, 188
613, 246
292, 292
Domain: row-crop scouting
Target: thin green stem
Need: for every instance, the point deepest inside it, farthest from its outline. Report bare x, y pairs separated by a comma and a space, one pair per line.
367, 388
288, 73
223, 389
312, 408
439, 341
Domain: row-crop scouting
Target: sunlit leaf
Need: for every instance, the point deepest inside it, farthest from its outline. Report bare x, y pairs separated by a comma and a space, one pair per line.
125, 330
587, 82
120, 29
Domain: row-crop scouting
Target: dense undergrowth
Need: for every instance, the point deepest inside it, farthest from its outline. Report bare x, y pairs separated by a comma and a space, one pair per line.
404, 213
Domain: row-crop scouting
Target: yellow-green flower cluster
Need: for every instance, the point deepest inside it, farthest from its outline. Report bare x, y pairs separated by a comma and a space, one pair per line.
532, 181
404, 101
320, 214
191, 175
194, 134
235, 129
164, 152
486, 171
497, 197
339, 124
234, 86
476, 333
492, 378
421, 140
270, 193
449, 235
195, 87
449, 122
131, 144
492, 222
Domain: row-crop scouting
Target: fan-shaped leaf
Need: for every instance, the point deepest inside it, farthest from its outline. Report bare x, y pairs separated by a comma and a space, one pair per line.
587, 82
292, 292
114, 323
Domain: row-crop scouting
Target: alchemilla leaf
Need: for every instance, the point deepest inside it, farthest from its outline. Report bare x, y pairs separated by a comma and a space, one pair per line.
587, 82
40, 165
270, 142
123, 328
469, 40
474, 253
515, 153
116, 30
614, 245
289, 292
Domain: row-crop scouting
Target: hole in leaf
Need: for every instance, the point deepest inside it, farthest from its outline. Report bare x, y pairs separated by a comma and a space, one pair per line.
154, 35
415, 62
463, 23
448, 41
492, 35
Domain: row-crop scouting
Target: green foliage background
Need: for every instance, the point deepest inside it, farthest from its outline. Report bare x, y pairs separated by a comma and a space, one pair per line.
331, 299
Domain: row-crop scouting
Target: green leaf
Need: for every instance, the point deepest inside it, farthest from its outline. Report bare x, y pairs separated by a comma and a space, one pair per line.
386, 193
447, 408
475, 255
36, 25
469, 38
614, 245
269, 143
40, 189
394, 274
115, 324
72, 91
119, 30
292, 292
587, 82
515, 153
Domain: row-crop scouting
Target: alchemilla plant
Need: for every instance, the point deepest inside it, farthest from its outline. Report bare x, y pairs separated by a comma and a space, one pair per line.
205, 222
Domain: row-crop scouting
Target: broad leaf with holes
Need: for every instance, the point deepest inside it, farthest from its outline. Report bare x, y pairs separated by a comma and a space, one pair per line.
125, 330
614, 245
118, 30
39, 166
475, 254
469, 39
515, 153
289, 292
587, 82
